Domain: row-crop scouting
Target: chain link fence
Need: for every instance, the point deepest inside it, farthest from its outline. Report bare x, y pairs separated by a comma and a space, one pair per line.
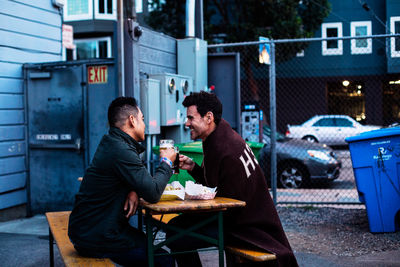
311, 95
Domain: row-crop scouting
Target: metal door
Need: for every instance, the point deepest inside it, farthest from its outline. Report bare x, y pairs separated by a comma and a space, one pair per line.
224, 74
56, 132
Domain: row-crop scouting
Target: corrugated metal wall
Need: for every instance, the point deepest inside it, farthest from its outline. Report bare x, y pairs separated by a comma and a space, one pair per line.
30, 31
157, 53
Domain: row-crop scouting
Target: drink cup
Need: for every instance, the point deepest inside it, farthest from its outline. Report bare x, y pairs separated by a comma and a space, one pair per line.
166, 143
169, 143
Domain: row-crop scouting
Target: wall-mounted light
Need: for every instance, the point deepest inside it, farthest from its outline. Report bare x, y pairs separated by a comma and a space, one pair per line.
134, 30
59, 3
346, 83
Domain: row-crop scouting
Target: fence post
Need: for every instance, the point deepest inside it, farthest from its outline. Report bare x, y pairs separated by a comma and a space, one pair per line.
272, 115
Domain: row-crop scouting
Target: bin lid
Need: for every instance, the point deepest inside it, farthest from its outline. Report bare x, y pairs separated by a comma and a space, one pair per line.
197, 147
385, 132
191, 147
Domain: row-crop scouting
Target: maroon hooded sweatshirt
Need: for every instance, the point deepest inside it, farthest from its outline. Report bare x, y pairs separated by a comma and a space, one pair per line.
230, 165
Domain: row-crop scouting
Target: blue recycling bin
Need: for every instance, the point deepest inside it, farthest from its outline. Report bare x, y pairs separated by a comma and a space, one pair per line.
376, 163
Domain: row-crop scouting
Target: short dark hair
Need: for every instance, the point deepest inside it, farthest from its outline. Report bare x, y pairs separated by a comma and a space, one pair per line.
205, 102
120, 109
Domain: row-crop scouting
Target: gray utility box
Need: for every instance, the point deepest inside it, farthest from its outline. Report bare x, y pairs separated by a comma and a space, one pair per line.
67, 117
192, 61
174, 89
150, 105
251, 125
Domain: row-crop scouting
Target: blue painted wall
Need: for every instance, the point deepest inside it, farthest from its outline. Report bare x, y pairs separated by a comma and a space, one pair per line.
393, 10
314, 64
30, 31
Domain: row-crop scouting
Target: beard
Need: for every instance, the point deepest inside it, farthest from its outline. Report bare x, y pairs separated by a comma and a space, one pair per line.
193, 134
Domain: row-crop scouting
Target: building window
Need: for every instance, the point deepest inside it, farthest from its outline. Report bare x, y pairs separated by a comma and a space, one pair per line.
395, 41
332, 47
78, 10
139, 6
347, 98
391, 98
361, 46
105, 9
90, 48
153, 5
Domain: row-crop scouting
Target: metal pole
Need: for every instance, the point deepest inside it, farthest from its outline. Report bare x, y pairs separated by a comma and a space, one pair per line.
149, 234
190, 4
148, 152
272, 114
121, 55
199, 28
221, 238
153, 158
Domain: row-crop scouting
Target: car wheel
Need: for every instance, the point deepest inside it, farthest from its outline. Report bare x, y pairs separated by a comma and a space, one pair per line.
310, 138
292, 175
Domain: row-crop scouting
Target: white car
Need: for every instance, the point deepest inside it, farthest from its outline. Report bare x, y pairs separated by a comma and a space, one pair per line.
328, 129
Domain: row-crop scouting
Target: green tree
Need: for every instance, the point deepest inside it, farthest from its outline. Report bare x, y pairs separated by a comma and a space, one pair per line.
240, 20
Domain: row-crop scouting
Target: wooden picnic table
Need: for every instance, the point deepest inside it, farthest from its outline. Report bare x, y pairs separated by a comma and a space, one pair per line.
215, 207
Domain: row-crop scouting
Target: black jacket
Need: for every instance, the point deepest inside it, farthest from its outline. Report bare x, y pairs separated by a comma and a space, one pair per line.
98, 220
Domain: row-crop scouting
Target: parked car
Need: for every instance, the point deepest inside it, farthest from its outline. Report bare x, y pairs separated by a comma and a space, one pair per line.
328, 129
299, 162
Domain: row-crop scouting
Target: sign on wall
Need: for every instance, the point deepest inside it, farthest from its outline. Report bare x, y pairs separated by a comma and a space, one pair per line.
97, 74
68, 36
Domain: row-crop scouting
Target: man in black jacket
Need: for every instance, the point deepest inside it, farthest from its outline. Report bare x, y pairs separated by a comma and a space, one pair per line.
230, 165
111, 186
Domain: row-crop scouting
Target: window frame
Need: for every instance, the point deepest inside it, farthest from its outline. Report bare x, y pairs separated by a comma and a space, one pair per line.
98, 15
350, 123
97, 39
332, 51
139, 6
318, 122
88, 16
361, 50
393, 51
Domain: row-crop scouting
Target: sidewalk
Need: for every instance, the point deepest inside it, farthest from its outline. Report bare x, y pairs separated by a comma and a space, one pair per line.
24, 242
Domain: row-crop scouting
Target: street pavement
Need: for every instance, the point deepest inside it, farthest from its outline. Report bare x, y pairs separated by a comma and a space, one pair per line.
24, 242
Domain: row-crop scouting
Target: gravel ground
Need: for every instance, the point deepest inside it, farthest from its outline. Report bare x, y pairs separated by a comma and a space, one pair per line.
334, 231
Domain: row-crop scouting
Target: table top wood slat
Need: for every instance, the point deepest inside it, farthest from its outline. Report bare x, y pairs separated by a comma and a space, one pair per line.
173, 206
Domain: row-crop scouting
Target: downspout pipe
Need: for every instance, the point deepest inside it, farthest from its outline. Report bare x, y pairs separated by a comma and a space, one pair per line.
121, 54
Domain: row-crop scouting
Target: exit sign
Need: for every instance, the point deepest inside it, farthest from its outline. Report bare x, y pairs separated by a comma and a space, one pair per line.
97, 74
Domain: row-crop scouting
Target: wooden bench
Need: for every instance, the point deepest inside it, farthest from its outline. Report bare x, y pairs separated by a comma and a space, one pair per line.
165, 218
241, 255
58, 231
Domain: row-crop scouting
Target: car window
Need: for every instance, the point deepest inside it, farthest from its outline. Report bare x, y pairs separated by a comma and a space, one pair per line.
267, 133
343, 122
326, 122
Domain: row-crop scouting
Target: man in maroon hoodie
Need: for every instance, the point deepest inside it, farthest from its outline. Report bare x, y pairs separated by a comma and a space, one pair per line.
230, 165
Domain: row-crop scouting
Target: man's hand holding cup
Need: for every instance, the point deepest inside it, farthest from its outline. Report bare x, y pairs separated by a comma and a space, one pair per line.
167, 150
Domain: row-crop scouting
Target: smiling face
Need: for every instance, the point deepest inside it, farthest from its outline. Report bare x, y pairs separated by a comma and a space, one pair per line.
200, 127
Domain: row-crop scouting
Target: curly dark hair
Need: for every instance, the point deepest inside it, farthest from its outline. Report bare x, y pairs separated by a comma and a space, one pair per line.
205, 102
120, 109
